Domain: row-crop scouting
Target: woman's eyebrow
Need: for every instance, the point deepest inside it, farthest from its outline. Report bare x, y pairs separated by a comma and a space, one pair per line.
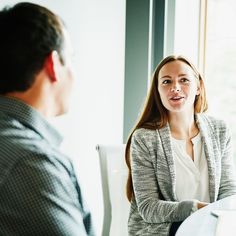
169, 77
165, 76
182, 75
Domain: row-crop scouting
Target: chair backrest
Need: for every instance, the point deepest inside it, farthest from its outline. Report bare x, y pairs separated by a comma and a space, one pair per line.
114, 174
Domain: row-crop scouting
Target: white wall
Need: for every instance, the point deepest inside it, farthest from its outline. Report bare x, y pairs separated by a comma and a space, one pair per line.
98, 35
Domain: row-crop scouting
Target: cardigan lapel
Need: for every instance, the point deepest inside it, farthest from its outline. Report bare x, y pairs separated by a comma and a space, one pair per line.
168, 156
211, 151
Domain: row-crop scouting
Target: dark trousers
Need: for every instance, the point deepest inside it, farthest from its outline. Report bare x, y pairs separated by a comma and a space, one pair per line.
174, 227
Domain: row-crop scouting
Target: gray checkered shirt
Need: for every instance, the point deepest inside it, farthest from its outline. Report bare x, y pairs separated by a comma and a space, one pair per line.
39, 192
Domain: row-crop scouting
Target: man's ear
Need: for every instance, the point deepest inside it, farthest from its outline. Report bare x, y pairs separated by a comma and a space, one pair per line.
52, 65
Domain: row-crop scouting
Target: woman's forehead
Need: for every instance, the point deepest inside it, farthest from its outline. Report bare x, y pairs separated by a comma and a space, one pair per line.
175, 67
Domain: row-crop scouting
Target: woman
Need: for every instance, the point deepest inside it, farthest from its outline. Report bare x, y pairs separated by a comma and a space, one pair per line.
179, 159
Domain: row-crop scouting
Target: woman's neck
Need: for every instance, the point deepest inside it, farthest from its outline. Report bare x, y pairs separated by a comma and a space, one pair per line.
183, 126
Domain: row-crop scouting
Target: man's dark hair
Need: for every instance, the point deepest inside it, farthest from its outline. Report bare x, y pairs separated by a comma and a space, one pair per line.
28, 34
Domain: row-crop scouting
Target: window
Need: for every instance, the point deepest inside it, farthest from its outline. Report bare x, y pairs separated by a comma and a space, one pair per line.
220, 60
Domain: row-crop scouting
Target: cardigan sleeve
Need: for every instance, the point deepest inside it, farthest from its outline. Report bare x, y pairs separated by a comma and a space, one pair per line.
228, 176
145, 184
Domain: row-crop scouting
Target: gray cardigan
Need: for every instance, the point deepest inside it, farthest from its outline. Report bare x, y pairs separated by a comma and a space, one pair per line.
155, 204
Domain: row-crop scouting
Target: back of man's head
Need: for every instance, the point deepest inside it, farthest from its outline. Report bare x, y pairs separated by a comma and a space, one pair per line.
29, 33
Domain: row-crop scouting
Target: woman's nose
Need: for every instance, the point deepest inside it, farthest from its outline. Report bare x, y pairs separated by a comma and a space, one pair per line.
175, 88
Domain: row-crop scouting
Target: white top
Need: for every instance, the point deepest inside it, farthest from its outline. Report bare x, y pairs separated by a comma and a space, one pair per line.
192, 180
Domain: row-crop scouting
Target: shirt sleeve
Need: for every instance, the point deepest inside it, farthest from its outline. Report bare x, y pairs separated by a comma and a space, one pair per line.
195, 205
151, 205
42, 197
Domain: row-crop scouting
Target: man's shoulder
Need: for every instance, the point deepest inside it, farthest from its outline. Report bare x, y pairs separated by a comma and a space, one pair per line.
16, 138
21, 144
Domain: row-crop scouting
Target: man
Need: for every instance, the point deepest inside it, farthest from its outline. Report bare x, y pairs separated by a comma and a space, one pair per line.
39, 193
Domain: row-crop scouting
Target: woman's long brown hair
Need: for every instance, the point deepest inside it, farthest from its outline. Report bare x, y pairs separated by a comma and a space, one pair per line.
154, 115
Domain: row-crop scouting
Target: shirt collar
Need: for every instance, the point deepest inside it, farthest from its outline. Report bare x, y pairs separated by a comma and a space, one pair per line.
31, 118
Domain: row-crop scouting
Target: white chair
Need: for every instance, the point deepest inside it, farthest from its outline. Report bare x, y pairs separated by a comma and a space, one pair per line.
114, 174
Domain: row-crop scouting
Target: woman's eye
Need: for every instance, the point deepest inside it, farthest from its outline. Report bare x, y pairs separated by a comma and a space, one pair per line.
185, 80
166, 81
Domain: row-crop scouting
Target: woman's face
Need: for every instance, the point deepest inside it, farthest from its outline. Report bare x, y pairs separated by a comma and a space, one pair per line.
178, 86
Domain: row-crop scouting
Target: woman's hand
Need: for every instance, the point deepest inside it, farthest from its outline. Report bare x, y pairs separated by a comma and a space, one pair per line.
201, 204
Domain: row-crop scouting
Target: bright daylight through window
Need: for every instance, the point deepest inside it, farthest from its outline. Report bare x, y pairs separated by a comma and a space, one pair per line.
220, 61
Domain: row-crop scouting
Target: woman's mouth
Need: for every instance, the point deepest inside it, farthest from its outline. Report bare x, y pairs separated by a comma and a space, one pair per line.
176, 98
